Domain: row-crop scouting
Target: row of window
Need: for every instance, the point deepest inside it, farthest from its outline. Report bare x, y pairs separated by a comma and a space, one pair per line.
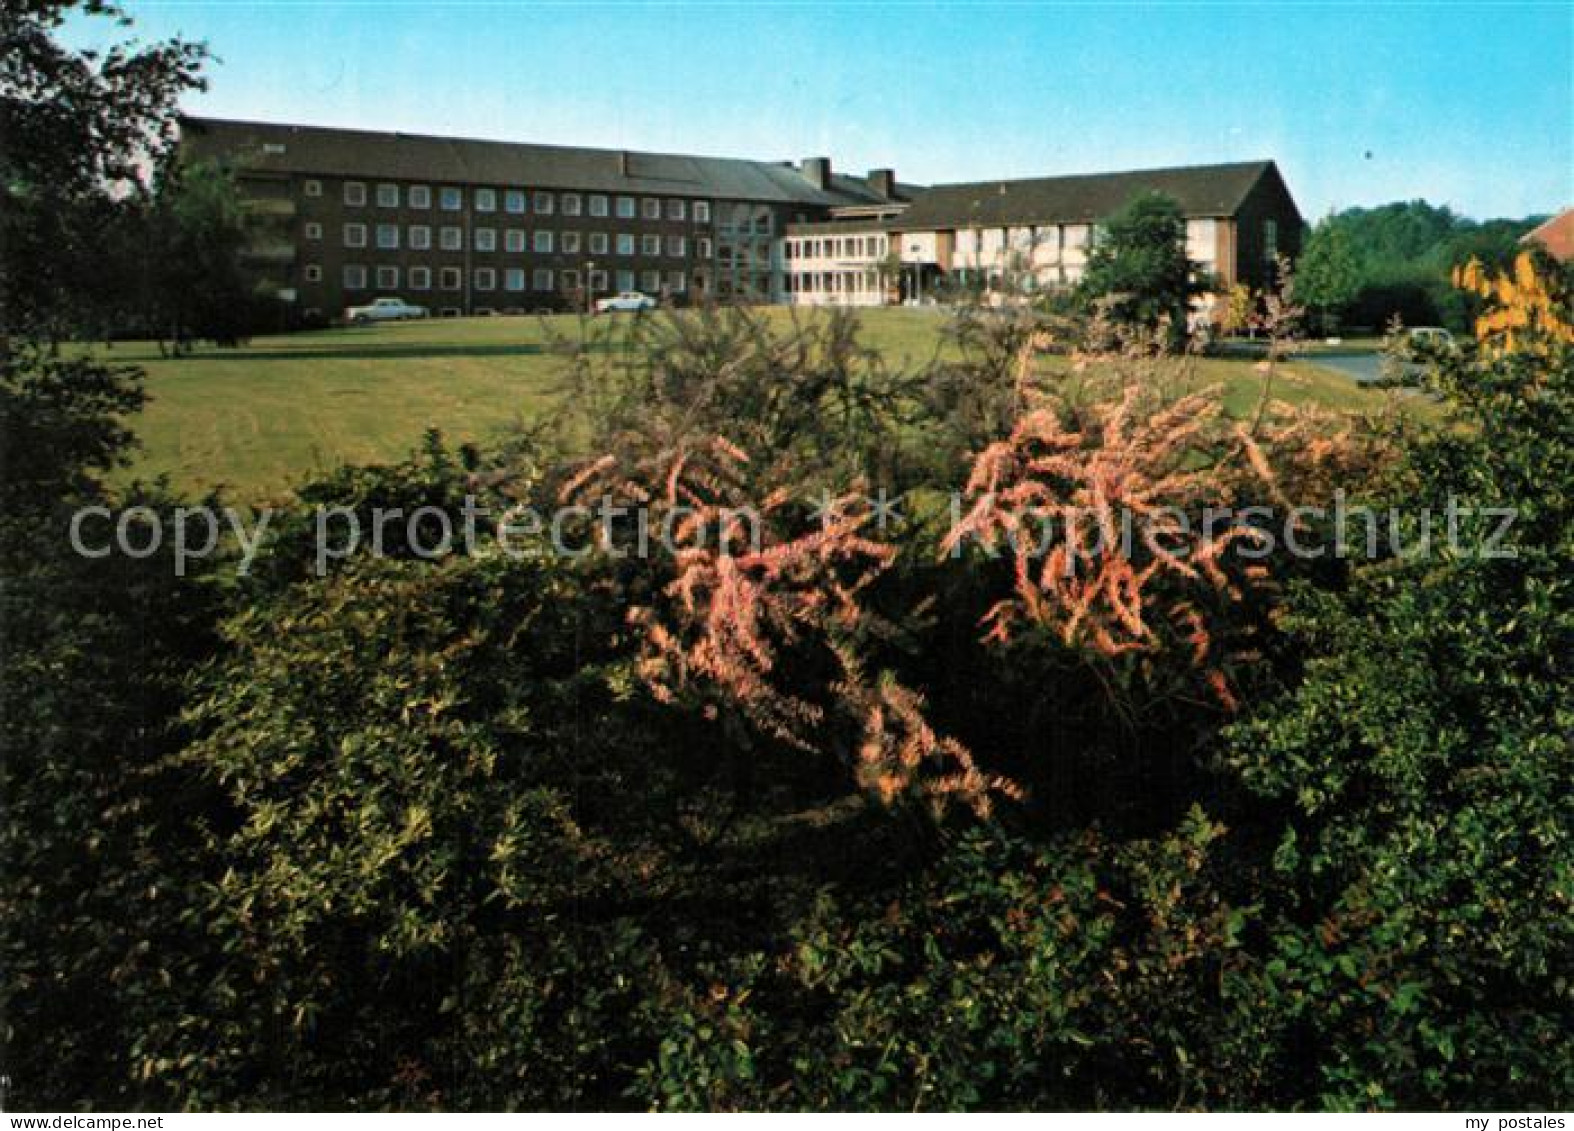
546, 242
518, 201
513, 279
839, 247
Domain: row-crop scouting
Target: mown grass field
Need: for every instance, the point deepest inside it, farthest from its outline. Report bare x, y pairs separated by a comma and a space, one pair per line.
257, 420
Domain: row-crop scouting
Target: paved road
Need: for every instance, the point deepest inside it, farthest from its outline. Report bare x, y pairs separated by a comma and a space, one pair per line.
1363, 365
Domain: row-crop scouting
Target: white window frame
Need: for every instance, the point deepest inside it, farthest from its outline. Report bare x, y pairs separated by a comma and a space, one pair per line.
542, 244
451, 199
451, 237
354, 235
625, 279
677, 247
628, 208
625, 244
485, 279
650, 245
390, 273
420, 237
420, 278
419, 196
486, 239
313, 187
701, 212
650, 208
387, 194
541, 203
514, 279
598, 204
568, 243
515, 242
312, 273
456, 276
355, 194
676, 209
514, 201
570, 202
314, 230
598, 243
354, 277
388, 237
541, 279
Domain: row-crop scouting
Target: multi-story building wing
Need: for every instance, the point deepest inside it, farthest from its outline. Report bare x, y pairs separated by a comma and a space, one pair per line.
1239, 219
471, 227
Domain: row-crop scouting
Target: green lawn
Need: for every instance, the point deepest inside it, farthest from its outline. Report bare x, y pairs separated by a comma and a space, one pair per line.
258, 419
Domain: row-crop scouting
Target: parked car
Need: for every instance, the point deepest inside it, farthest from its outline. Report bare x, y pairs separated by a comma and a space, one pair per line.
1434, 336
627, 300
384, 310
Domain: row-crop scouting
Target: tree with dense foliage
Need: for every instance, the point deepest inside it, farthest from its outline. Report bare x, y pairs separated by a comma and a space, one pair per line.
1139, 269
79, 131
1328, 274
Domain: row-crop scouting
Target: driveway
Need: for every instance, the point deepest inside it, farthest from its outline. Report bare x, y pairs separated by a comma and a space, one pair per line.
1364, 365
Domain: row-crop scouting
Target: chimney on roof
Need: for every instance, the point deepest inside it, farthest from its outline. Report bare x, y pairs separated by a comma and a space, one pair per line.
883, 182
817, 171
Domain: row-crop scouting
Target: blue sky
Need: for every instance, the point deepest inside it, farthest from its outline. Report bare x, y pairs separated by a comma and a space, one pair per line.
1471, 105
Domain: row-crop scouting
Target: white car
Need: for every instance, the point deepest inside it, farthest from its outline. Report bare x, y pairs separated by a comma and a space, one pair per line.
384, 310
627, 300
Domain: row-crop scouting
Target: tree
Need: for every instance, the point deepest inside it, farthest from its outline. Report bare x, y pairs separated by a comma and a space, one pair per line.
194, 230
1329, 275
1139, 267
78, 130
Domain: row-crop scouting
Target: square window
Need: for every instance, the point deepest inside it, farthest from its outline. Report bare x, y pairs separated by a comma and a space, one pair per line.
598, 243
570, 280
625, 208
625, 280
452, 200
543, 241
570, 243
313, 273
313, 188
571, 204
449, 278
314, 231
702, 212
485, 200
486, 239
354, 193
419, 196
542, 279
485, 279
451, 238
355, 235
650, 245
625, 243
354, 277
677, 246
598, 205
388, 278
675, 209
420, 237
514, 279
651, 208
598, 280
543, 204
650, 281
420, 278
677, 282
514, 240
387, 196
388, 236
514, 201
